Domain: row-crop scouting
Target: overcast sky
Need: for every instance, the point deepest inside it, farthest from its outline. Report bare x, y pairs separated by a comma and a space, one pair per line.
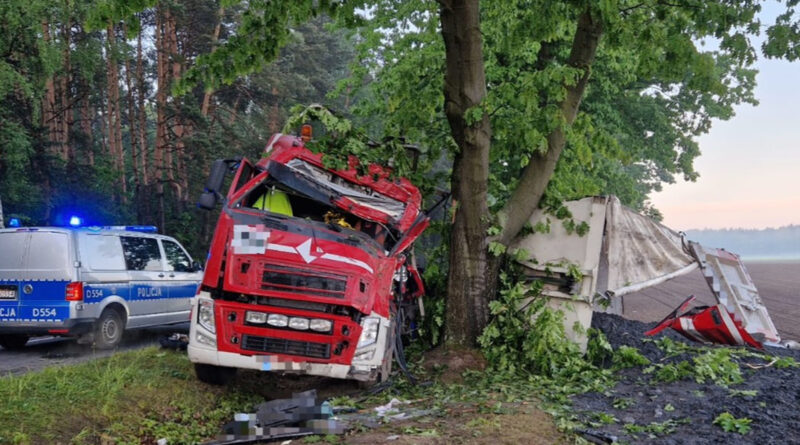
750, 165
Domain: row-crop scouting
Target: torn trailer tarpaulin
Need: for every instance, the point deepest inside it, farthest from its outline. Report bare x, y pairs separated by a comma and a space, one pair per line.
618, 251
706, 324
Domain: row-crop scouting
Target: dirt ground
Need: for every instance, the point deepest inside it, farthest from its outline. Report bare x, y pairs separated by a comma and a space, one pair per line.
778, 284
690, 406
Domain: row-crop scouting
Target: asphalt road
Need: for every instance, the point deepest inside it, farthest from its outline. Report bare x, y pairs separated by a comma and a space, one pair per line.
41, 352
778, 284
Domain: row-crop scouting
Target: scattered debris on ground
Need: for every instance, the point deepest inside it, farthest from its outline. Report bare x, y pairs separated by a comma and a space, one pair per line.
282, 419
690, 394
176, 341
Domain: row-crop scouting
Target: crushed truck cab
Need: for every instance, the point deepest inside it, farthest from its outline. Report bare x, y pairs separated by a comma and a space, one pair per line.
309, 268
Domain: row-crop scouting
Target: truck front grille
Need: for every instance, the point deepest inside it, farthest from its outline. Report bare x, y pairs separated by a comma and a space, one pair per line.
284, 346
286, 279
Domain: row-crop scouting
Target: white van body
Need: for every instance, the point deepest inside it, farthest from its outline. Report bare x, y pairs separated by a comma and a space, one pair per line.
140, 279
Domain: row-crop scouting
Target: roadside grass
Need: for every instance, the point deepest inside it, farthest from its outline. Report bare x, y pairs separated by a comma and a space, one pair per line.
141, 396
130, 398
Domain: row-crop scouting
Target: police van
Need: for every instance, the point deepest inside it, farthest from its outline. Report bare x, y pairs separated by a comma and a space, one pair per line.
92, 283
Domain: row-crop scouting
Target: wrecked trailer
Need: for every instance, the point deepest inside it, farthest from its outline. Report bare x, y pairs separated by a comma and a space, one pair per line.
309, 268
606, 251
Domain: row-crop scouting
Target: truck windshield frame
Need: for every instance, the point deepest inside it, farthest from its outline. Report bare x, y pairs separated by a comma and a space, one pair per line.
380, 236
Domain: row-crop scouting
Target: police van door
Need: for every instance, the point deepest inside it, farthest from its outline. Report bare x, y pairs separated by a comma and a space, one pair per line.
182, 279
148, 300
103, 270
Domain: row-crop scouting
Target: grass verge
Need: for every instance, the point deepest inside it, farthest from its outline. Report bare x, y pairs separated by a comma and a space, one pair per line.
131, 398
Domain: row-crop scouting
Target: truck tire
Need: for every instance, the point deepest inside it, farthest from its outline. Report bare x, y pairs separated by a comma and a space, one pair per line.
108, 329
214, 375
13, 342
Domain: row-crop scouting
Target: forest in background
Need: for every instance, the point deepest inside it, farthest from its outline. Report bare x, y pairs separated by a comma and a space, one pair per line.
89, 124
782, 243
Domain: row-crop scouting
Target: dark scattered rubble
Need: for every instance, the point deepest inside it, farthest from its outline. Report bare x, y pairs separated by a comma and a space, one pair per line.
774, 410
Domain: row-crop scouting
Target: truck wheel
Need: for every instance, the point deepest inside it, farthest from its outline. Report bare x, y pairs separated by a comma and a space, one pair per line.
13, 342
108, 329
214, 375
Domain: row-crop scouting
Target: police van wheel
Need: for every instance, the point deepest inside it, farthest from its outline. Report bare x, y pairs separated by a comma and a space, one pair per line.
13, 342
214, 375
108, 329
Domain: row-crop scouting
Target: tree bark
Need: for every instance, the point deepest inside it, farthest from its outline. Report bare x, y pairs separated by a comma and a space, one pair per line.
87, 117
465, 89
537, 173
114, 124
142, 135
161, 124
66, 104
214, 38
132, 119
49, 100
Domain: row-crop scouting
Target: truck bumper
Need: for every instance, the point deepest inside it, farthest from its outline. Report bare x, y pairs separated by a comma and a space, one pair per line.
199, 354
203, 349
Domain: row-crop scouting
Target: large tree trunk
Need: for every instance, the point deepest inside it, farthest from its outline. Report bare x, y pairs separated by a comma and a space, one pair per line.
204, 108
465, 88
473, 272
142, 134
114, 124
132, 125
49, 100
66, 104
537, 173
161, 119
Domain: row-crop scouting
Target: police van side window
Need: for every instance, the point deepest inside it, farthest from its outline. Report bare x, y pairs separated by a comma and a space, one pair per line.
141, 253
101, 252
176, 258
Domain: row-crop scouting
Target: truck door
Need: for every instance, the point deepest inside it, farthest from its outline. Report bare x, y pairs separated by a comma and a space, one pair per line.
149, 297
182, 279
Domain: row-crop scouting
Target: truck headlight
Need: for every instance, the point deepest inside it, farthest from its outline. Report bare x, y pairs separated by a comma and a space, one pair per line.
320, 325
206, 340
364, 356
369, 331
255, 317
299, 323
205, 315
278, 320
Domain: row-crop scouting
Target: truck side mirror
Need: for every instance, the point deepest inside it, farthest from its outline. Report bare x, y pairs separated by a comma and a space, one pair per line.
207, 201
196, 266
216, 176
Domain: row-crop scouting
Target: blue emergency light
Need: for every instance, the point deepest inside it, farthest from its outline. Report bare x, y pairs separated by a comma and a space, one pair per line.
13, 222
75, 221
146, 229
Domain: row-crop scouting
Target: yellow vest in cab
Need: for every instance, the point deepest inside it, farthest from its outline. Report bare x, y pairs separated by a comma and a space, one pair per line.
274, 201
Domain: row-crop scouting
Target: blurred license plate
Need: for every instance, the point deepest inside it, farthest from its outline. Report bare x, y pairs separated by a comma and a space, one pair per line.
8, 292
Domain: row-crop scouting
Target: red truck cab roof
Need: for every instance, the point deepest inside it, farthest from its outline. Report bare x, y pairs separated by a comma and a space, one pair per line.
374, 196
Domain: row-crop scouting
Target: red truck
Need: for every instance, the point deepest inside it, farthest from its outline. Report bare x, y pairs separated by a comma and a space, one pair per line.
309, 269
